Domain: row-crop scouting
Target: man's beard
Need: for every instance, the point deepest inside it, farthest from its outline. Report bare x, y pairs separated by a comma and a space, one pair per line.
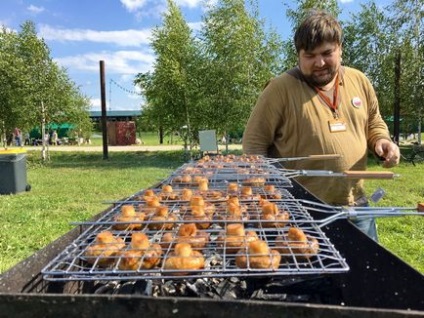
321, 81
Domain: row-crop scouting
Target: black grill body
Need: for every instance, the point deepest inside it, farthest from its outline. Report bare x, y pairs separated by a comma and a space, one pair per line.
378, 284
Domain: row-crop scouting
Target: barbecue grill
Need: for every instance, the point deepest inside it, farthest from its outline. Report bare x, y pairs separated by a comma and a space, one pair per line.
350, 275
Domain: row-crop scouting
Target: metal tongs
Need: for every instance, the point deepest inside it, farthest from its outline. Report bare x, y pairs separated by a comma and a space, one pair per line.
352, 212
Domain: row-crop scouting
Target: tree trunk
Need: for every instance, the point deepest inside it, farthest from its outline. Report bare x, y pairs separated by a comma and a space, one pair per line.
4, 135
396, 106
45, 143
161, 135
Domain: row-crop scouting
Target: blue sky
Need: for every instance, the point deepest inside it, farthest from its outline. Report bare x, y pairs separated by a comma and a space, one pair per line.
80, 33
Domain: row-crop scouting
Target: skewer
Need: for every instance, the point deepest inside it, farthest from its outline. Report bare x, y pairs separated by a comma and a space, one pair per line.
363, 174
326, 173
310, 157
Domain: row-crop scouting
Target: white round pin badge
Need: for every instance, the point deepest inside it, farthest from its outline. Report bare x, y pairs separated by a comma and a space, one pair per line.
356, 102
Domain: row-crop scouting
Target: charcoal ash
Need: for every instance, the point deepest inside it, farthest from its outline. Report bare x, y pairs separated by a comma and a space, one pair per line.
319, 289
214, 288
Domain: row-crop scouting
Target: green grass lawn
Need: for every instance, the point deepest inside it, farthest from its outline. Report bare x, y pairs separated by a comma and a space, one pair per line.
72, 187
404, 236
75, 186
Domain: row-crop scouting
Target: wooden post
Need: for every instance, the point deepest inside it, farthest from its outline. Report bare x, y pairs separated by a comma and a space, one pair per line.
103, 105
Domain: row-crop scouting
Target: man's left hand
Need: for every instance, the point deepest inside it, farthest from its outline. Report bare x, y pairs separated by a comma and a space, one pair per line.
389, 151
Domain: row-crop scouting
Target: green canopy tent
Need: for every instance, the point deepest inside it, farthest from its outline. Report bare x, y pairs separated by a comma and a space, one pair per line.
62, 130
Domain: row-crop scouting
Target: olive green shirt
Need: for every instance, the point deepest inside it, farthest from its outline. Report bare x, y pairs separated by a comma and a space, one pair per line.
290, 119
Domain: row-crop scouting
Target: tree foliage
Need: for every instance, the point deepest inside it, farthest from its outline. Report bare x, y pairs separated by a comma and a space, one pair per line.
407, 17
210, 81
168, 85
13, 86
35, 90
367, 48
374, 37
213, 80
240, 57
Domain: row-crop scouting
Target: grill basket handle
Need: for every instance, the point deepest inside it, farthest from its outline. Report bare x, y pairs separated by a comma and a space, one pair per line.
369, 174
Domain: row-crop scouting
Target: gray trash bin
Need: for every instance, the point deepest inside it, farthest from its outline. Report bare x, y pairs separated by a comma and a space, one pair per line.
13, 173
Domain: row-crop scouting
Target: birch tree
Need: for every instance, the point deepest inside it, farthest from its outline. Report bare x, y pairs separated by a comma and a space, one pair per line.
240, 56
173, 45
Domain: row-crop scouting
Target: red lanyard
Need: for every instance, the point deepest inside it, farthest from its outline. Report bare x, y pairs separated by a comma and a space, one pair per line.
331, 104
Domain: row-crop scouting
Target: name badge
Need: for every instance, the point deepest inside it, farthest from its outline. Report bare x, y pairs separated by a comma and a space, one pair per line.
337, 125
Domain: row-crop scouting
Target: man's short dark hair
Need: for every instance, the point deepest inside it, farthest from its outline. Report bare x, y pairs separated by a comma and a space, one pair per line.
317, 28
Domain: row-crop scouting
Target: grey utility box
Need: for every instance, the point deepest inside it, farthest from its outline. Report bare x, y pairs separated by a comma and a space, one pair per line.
13, 173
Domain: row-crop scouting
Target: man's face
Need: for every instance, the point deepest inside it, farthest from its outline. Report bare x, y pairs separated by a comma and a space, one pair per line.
320, 65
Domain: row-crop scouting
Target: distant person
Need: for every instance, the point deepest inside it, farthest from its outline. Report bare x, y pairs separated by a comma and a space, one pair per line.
80, 138
54, 138
46, 139
322, 107
18, 136
27, 140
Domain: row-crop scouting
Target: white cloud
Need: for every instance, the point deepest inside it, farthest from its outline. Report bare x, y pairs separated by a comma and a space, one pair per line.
95, 102
152, 11
189, 3
195, 26
156, 8
131, 38
120, 62
131, 103
133, 5
346, 1
35, 10
137, 5
126, 77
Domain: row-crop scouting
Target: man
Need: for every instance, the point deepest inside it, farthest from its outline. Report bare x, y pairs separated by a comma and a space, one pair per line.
18, 136
322, 107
